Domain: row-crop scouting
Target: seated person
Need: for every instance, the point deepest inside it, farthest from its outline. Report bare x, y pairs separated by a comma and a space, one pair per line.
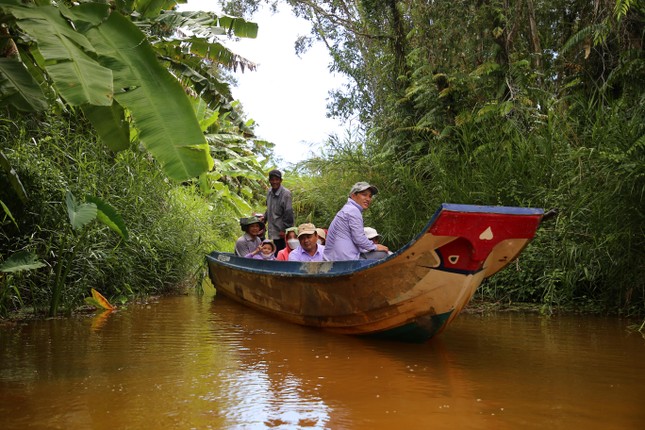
250, 240
291, 236
345, 238
266, 251
309, 249
322, 235
263, 232
373, 235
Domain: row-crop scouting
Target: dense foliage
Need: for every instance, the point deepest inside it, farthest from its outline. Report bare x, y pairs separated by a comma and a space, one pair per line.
522, 103
89, 92
171, 227
129, 67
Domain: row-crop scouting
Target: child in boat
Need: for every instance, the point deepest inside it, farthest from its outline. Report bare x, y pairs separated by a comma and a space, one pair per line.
322, 235
375, 237
266, 251
291, 236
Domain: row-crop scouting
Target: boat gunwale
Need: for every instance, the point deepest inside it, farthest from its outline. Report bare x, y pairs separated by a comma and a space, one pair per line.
336, 269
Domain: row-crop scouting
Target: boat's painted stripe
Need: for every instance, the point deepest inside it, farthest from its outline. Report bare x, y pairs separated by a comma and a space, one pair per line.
290, 268
508, 210
300, 270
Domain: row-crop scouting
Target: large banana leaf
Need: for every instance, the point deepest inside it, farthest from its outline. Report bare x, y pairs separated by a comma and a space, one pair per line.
18, 88
159, 106
100, 51
239, 26
109, 122
207, 25
78, 78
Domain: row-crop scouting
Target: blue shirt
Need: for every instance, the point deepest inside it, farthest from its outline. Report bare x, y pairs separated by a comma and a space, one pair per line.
345, 236
300, 254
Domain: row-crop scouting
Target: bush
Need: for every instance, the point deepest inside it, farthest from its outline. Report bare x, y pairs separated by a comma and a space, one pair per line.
171, 227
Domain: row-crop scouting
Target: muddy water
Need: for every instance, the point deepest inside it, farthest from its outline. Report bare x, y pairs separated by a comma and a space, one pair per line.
189, 362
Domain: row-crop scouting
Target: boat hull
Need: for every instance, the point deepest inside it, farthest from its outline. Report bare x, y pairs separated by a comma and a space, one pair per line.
412, 295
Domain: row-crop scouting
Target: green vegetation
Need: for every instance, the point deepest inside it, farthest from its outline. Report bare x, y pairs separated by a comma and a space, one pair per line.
589, 257
89, 92
170, 226
496, 103
533, 104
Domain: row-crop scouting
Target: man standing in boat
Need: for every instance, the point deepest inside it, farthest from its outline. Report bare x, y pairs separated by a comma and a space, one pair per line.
279, 213
309, 249
346, 238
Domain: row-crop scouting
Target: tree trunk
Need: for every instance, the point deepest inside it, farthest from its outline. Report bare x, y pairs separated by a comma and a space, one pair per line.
535, 37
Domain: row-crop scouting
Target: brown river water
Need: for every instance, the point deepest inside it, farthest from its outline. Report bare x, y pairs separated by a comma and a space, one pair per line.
201, 363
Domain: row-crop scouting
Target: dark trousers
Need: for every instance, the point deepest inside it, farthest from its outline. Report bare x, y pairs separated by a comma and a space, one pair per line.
373, 255
279, 244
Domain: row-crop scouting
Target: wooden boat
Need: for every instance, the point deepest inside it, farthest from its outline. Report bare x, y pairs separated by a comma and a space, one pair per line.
411, 295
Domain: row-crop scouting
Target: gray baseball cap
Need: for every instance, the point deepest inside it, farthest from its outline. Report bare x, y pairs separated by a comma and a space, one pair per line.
362, 186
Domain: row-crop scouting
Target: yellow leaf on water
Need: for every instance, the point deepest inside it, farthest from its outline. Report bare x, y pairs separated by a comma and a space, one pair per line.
102, 301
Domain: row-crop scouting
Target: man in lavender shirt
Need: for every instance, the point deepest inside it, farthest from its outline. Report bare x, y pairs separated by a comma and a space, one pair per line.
345, 237
309, 249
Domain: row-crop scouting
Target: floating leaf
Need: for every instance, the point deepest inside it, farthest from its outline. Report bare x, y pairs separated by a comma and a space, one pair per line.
101, 301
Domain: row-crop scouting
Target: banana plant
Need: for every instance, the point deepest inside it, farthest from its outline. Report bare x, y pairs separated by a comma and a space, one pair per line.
94, 56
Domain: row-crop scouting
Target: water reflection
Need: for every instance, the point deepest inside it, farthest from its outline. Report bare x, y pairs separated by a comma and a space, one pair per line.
185, 362
350, 382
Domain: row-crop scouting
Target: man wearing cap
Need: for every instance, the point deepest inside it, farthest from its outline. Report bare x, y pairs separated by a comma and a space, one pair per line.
309, 249
345, 237
250, 240
279, 213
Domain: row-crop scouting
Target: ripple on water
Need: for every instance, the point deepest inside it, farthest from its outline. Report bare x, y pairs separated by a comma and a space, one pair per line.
188, 362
